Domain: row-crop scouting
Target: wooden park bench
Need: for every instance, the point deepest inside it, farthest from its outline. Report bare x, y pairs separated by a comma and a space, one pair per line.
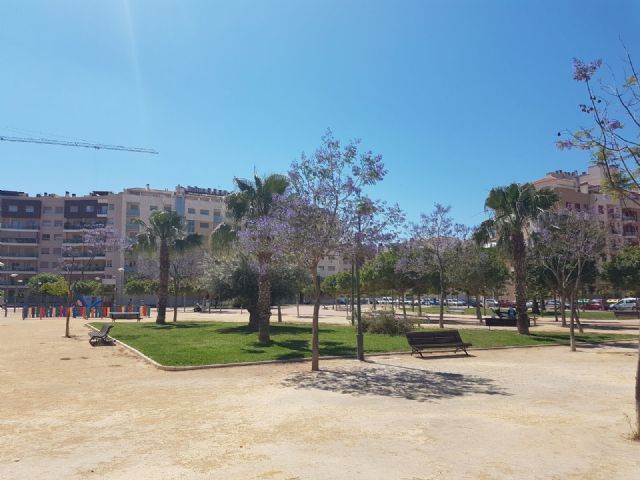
456, 309
502, 322
101, 336
124, 316
436, 341
625, 313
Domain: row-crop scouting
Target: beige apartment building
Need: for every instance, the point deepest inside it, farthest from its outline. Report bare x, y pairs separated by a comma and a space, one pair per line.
583, 192
37, 232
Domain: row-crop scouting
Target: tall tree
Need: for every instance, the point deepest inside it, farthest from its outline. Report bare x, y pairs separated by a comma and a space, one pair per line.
513, 208
566, 243
437, 234
324, 190
164, 232
260, 233
83, 258
624, 273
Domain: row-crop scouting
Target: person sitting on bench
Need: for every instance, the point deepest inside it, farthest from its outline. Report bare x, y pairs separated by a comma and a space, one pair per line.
498, 313
511, 313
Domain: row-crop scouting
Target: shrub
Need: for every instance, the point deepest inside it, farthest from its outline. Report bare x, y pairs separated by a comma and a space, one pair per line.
386, 322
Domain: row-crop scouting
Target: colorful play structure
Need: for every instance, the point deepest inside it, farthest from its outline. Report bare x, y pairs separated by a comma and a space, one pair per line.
84, 307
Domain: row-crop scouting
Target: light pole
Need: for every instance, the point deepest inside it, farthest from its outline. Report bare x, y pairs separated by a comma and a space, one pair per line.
40, 299
6, 293
121, 270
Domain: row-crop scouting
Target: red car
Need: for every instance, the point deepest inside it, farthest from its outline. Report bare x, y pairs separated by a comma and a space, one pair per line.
597, 304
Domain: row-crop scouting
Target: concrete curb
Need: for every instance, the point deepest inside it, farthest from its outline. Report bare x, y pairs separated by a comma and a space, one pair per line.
169, 368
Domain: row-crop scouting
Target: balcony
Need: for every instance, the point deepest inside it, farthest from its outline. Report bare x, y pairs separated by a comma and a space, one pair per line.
133, 212
102, 211
629, 218
74, 227
19, 255
84, 255
87, 269
27, 227
630, 233
18, 269
19, 241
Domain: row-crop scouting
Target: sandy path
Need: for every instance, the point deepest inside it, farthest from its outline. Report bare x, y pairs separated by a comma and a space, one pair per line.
71, 411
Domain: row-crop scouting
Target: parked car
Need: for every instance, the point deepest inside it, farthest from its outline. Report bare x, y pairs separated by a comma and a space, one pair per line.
597, 304
505, 303
491, 302
626, 304
551, 305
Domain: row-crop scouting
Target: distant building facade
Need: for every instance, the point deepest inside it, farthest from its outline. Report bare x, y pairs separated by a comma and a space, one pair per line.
583, 192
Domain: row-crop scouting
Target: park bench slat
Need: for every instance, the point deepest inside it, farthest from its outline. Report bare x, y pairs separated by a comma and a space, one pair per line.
125, 316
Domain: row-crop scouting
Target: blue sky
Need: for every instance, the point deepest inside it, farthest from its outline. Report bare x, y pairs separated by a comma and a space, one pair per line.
458, 96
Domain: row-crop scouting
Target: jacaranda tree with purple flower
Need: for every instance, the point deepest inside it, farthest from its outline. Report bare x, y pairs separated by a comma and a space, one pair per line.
612, 133
85, 257
324, 189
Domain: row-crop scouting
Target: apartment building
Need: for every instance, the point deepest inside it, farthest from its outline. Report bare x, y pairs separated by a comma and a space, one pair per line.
583, 192
36, 233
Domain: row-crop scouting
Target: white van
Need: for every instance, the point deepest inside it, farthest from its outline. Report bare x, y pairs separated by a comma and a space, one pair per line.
628, 303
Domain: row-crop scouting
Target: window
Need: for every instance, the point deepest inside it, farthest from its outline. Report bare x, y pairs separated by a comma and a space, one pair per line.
13, 208
331, 268
108, 263
57, 236
321, 268
44, 264
54, 264
112, 207
204, 212
191, 226
57, 223
153, 207
73, 209
47, 210
601, 209
167, 208
57, 251
89, 208
44, 251
204, 224
217, 216
332, 257
191, 210
29, 209
59, 209
46, 236
46, 223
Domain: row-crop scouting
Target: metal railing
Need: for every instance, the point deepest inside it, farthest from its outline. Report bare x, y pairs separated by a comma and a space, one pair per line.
19, 226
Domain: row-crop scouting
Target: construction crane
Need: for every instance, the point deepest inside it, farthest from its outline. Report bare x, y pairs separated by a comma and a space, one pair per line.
77, 143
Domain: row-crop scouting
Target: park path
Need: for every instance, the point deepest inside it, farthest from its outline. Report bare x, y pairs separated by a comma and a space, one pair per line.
76, 412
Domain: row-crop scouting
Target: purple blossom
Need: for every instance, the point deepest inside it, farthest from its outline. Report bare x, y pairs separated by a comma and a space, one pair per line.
583, 72
564, 144
614, 124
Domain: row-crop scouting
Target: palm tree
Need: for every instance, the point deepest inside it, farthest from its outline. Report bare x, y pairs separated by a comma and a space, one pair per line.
514, 207
165, 232
252, 201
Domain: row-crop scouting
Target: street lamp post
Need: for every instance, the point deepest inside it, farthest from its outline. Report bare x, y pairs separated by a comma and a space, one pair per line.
121, 270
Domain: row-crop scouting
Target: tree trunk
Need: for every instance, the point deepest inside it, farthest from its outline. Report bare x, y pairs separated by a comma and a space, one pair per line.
264, 306
298, 306
563, 310
279, 313
572, 332
163, 287
315, 350
69, 303
419, 306
555, 304
478, 309
638, 392
442, 295
253, 318
175, 304
404, 307
520, 270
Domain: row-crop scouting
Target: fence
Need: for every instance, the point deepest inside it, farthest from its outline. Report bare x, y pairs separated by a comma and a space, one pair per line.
84, 312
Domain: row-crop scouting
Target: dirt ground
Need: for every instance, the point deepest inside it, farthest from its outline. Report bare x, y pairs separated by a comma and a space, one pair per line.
70, 411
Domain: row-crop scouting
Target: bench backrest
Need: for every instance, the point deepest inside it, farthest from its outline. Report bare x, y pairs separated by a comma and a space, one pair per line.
105, 328
434, 338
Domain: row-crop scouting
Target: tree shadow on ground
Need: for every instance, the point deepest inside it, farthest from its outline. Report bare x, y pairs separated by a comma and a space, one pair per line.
176, 325
397, 382
300, 347
631, 344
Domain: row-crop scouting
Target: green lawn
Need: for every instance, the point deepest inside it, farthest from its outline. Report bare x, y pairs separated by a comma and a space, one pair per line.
203, 343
